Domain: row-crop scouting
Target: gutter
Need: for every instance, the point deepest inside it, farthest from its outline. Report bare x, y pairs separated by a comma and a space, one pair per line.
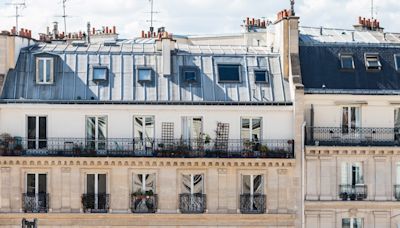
303, 135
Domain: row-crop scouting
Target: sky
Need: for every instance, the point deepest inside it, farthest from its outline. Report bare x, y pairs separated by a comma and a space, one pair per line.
192, 16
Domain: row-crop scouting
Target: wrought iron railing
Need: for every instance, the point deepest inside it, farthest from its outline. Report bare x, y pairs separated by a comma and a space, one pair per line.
252, 204
396, 191
339, 136
353, 192
194, 148
96, 203
192, 203
144, 203
35, 203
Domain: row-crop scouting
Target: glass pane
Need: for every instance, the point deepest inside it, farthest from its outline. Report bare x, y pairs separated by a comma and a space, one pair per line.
48, 70
91, 131
229, 73
41, 70
137, 183
186, 127
186, 184
102, 184
347, 62
138, 127
31, 132
42, 183
190, 76
99, 74
197, 184
357, 223
345, 120
30, 184
353, 118
197, 128
144, 75
260, 76
256, 129
398, 62
346, 223
151, 182
90, 184
149, 123
246, 188
397, 118
102, 128
258, 184
42, 132
245, 130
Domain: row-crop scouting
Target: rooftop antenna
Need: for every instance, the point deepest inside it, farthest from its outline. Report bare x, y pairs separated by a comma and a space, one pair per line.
372, 9
64, 16
152, 12
18, 6
292, 7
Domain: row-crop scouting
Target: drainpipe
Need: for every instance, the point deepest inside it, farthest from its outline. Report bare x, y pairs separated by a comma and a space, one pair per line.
303, 136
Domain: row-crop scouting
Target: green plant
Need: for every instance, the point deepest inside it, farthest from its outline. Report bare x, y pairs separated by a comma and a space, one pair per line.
264, 148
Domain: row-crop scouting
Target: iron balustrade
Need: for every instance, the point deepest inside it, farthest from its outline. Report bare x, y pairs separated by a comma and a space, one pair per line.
396, 191
179, 148
144, 203
35, 203
353, 192
360, 136
192, 203
96, 203
252, 204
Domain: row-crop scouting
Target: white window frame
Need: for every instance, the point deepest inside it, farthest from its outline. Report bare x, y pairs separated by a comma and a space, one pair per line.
251, 127
352, 221
152, 73
96, 187
36, 184
189, 135
345, 55
144, 180
97, 140
252, 176
37, 139
99, 67
372, 55
44, 82
358, 121
395, 61
348, 166
192, 182
144, 125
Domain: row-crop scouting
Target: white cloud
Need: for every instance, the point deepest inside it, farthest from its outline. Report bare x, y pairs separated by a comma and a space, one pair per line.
192, 16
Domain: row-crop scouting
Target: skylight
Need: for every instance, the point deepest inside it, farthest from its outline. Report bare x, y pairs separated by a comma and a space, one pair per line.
347, 62
372, 62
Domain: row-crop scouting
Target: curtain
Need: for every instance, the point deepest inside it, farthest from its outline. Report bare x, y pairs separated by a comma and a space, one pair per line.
197, 184
186, 184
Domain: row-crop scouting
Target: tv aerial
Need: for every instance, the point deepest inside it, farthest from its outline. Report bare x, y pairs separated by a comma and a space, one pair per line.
18, 7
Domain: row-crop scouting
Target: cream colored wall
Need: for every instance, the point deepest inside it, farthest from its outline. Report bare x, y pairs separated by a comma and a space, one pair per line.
69, 120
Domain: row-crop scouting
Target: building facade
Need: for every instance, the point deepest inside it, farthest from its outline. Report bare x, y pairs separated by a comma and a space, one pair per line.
165, 131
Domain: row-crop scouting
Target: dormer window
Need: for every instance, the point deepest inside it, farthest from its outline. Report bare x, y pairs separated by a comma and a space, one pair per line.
397, 61
145, 74
44, 70
347, 62
100, 73
261, 76
372, 62
229, 73
190, 75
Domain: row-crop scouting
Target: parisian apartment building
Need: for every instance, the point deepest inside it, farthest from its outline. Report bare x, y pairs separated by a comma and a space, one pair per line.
280, 126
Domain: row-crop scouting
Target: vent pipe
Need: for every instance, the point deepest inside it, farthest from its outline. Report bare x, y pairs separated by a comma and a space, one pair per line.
88, 33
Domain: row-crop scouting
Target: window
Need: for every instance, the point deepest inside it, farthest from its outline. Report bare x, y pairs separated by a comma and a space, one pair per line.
352, 174
352, 223
252, 184
96, 192
44, 70
261, 76
192, 183
143, 132
37, 132
96, 132
190, 76
35, 199
144, 183
397, 125
100, 73
192, 127
229, 73
372, 62
347, 62
251, 129
145, 74
350, 119
397, 61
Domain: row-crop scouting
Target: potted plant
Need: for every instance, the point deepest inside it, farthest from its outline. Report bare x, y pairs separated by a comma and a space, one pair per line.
5, 140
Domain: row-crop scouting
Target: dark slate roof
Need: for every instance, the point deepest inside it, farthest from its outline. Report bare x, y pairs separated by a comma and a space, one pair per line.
320, 67
73, 82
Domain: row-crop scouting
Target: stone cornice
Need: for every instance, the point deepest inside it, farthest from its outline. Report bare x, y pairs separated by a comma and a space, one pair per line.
144, 162
319, 151
348, 205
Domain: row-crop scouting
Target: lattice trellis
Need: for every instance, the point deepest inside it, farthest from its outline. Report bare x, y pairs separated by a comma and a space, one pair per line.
167, 132
222, 139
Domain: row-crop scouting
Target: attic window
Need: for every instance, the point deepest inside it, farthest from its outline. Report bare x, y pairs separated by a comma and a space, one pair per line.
372, 62
260, 76
145, 74
190, 74
347, 62
397, 61
229, 73
100, 73
44, 70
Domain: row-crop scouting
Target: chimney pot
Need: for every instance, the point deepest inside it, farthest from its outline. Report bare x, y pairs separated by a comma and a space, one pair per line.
114, 30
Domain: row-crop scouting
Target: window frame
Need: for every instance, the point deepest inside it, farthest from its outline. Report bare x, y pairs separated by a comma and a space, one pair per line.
45, 82
37, 138
397, 64
251, 129
266, 81
100, 67
252, 178
372, 55
230, 81
194, 69
144, 181
98, 143
144, 126
145, 68
346, 55
358, 122
352, 219
192, 175
37, 180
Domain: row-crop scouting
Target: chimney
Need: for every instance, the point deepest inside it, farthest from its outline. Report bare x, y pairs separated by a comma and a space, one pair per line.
88, 33
365, 24
55, 29
166, 45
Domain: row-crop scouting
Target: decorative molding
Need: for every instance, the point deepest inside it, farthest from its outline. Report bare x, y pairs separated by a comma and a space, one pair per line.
324, 151
282, 171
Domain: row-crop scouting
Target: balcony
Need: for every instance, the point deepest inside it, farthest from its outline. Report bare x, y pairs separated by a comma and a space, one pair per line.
96, 203
252, 204
35, 203
144, 203
396, 192
352, 192
177, 148
337, 136
192, 203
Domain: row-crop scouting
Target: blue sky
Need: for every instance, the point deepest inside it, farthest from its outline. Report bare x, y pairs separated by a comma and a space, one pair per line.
193, 16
